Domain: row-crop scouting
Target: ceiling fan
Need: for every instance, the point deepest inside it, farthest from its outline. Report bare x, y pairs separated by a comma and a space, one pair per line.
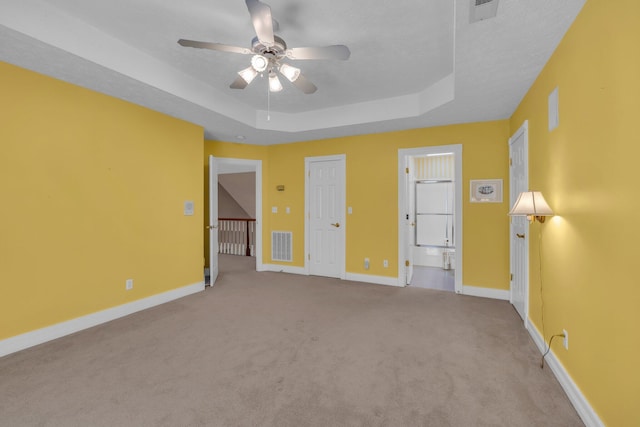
269, 52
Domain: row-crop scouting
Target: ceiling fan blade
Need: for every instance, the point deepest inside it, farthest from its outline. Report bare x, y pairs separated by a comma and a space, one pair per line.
239, 83
337, 51
214, 46
262, 21
304, 85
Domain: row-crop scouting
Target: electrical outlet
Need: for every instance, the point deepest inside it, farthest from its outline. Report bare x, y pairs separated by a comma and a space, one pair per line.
366, 263
129, 284
565, 340
385, 263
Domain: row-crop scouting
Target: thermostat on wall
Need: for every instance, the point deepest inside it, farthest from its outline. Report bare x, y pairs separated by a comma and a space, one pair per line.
188, 207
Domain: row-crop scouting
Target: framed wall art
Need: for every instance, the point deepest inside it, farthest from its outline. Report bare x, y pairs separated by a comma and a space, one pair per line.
486, 191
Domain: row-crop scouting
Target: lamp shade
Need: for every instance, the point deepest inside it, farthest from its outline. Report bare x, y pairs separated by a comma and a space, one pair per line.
290, 72
259, 63
274, 82
531, 203
248, 74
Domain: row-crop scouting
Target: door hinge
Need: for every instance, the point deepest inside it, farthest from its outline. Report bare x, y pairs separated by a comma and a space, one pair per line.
406, 170
510, 161
406, 263
511, 277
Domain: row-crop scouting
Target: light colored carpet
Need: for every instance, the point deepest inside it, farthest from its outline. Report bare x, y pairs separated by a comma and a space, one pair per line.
272, 349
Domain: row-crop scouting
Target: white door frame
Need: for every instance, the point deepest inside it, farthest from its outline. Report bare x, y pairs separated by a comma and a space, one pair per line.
342, 230
212, 223
513, 195
232, 165
403, 248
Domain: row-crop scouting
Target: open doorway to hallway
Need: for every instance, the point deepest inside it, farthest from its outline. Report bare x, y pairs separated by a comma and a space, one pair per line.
236, 215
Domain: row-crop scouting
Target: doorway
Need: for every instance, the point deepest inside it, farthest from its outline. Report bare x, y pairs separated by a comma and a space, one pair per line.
430, 217
222, 166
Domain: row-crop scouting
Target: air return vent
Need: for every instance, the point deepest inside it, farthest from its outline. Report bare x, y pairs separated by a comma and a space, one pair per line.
482, 9
281, 242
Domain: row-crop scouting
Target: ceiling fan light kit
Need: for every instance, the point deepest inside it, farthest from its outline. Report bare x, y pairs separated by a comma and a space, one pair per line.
274, 82
248, 74
290, 72
259, 63
269, 50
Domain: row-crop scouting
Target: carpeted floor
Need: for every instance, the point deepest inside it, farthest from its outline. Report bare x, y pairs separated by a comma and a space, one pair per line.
272, 349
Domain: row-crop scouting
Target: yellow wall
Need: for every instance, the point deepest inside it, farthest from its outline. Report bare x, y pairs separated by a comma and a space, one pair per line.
92, 192
372, 192
587, 170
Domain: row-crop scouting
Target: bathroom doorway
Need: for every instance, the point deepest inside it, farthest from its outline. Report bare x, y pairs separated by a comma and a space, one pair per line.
430, 217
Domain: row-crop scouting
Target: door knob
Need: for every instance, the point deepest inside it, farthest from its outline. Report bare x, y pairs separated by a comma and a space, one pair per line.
211, 227
520, 236
337, 225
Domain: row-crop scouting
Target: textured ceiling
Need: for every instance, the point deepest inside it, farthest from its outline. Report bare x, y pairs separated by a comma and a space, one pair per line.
414, 63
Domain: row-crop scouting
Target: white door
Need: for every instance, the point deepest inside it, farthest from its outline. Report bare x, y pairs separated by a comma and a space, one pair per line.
213, 219
326, 217
519, 227
410, 223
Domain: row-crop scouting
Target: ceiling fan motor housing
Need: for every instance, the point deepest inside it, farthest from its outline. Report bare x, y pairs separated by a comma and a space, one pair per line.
274, 52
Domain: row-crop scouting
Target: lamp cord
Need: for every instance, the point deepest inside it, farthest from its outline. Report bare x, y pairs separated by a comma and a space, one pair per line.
540, 273
542, 303
548, 349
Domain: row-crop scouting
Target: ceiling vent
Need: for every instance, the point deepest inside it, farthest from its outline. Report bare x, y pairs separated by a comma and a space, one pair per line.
482, 9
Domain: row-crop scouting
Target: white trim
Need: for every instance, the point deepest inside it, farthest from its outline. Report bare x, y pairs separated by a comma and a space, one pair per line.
579, 401
279, 268
233, 165
40, 336
403, 154
377, 280
354, 277
343, 252
474, 291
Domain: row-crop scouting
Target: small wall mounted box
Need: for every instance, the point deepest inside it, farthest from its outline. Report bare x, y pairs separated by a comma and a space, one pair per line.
188, 207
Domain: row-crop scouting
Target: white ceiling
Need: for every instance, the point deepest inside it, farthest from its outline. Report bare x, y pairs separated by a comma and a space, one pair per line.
414, 63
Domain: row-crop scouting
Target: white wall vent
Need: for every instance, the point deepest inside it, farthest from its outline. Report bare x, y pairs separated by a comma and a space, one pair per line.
281, 246
482, 9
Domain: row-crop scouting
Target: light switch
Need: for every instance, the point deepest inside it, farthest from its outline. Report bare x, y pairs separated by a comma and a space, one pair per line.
349, 210
274, 209
288, 209
188, 207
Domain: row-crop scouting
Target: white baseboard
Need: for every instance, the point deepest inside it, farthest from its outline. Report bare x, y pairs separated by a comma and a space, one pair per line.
279, 268
40, 336
368, 278
486, 292
580, 403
